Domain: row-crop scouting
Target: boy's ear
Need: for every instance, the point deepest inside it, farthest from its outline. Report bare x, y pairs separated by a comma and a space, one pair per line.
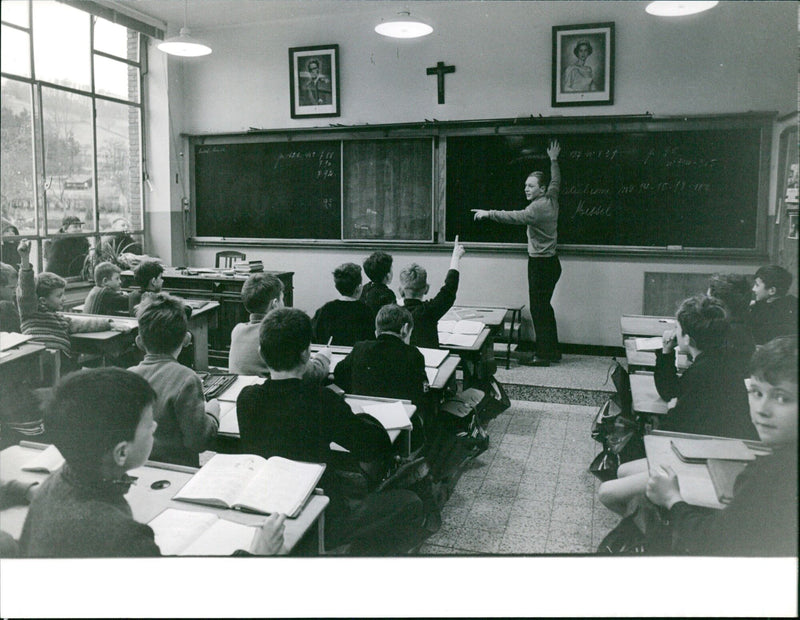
405, 331
119, 454
306, 355
187, 340
140, 344
772, 291
427, 288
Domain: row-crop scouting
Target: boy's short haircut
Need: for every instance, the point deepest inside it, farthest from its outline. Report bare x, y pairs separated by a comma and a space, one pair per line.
162, 322
7, 274
777, 276
146, 271
259, 290
705, 320
347, 278
377, 266
104, 271
538, 175
733, 290
391, 318
414, 278
776, 361
47, 282
284, 335
91, 411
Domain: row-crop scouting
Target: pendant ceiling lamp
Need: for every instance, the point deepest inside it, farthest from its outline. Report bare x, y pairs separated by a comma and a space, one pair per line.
184, 44
403, 26
678, 9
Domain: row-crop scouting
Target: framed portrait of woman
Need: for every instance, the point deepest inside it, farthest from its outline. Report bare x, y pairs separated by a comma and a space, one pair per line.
583, 65
314, 81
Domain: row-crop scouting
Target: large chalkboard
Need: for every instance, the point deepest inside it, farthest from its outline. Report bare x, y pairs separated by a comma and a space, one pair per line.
695, 188
278, 190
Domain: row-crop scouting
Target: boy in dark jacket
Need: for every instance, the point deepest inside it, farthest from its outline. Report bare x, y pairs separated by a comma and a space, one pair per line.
376, 293
761, 520
346, 320
287, 417
773, 312
414, 286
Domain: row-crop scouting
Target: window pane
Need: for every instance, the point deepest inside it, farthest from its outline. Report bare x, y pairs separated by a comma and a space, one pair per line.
119, 173
16, 168
15, 52
68, 158
14, 12
115, 39
116, 79
61, 44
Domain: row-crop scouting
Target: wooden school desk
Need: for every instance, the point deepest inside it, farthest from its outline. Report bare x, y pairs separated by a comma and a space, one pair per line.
478, 358
147, 502
634, 326
110, 344
494, 318
219, 285
645, 396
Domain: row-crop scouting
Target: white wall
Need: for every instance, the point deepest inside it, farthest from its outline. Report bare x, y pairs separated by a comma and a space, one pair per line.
740, 56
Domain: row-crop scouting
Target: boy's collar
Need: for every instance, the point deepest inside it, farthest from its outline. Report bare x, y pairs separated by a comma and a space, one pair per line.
114, 486
256, 317
158, 357
345, 298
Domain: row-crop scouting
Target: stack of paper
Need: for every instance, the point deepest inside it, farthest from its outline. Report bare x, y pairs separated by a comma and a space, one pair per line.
9, 340
649, 344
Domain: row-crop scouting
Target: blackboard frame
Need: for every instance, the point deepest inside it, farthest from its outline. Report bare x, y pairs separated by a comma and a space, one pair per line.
440, 130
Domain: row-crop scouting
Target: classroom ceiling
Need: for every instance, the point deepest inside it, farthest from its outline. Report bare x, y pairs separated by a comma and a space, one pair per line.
208, 15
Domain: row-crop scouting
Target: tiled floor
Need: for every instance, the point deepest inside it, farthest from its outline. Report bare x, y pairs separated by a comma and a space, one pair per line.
530, 492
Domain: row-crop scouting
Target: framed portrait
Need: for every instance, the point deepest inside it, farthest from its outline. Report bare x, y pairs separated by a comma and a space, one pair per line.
792, 232
314, 81
583, 65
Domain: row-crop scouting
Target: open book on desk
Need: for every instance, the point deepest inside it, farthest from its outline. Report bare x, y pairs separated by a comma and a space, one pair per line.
461, 327
47, 461
251, 483
433, 357
190, 532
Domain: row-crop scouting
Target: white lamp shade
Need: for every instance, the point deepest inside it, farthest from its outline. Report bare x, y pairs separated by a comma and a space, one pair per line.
184, 45
403, 27
679, 8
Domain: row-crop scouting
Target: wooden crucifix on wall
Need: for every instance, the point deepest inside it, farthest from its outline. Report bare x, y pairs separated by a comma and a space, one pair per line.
439, 70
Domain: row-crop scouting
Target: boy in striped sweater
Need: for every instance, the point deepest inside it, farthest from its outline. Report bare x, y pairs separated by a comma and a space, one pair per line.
39, 299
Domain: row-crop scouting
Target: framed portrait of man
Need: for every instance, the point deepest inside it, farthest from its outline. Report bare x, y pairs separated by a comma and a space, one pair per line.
314, 81
583, 65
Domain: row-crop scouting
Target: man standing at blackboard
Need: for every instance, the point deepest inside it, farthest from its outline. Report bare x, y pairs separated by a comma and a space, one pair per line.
544, 268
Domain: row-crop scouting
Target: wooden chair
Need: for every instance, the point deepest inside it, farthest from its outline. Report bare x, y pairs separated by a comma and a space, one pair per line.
227, 258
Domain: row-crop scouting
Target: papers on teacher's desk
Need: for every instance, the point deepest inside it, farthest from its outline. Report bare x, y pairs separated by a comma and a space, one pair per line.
187, 532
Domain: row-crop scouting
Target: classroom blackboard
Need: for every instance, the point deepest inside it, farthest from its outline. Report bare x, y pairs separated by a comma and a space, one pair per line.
696, 188
278, 190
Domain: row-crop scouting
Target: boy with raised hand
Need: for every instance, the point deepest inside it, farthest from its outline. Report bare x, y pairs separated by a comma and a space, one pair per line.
773, 312
9, 315
413, 288
147, 277
389, 366
346, 320
101, 420
106, 296
287, 417
262, 293
187, 425
376, 293
761, 520
40, 300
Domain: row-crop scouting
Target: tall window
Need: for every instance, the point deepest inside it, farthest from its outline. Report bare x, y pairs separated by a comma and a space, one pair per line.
71, 175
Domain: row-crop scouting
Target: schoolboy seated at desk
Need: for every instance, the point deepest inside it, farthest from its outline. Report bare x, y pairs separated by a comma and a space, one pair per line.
147, 277
733, 290
389, 366
106, 296
40, 300
711, 395
9, 315
187, 425
773, 312
761, 520
346, 320
376, 293
414, 286
286, 417
262, 293
101, 420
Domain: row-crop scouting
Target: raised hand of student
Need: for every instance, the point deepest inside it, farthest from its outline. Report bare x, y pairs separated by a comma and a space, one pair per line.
662, 487
480, 214
458, 252
269, 537
24, 251
554, 150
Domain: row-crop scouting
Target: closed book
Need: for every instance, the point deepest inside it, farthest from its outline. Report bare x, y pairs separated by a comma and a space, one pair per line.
724, 474
254, 484
700, 450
